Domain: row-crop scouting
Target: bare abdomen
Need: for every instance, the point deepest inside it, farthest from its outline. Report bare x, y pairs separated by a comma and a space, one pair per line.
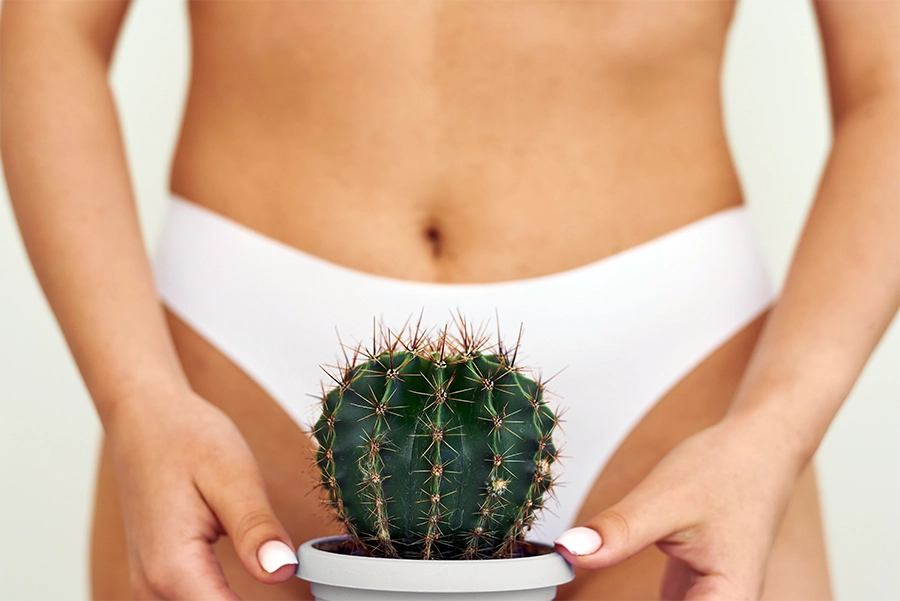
457, 141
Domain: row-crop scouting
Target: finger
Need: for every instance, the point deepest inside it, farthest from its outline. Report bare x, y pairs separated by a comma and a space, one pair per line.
714, 587
259, 539
191, 572
676, 581
629, 526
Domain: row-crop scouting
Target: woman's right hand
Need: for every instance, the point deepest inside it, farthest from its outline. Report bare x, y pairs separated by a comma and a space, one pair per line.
185, 473
186, 476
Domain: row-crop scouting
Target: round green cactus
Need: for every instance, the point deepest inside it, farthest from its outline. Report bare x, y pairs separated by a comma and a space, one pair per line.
435, 446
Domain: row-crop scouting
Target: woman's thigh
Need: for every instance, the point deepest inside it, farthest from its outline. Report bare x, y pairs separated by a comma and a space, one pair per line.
797, 565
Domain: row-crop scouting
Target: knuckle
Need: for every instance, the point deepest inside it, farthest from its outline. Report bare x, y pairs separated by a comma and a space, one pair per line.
159, 576
252, 523
139, 588
142, 594
616, 522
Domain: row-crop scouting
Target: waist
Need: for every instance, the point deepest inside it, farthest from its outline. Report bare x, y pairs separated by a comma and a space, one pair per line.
720, 245
441, 226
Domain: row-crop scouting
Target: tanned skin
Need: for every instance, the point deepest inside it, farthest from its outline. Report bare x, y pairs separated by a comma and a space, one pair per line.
449, 141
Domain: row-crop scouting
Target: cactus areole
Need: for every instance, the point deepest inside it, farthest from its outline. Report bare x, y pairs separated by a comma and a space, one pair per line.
435, 446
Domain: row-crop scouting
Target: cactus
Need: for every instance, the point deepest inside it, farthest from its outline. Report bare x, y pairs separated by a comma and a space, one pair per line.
435, 446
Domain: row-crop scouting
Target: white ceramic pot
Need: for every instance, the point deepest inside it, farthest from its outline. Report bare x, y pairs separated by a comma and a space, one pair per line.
337, 576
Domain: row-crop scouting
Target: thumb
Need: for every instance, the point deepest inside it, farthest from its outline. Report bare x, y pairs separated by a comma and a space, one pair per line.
261, 542
616, 534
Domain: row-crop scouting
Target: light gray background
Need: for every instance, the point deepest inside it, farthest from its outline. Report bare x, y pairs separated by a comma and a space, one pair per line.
776, 116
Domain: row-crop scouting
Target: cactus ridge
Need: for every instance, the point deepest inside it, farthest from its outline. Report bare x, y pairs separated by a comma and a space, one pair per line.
435, 445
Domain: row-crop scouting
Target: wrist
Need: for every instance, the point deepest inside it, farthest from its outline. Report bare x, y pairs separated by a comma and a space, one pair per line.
120, 403
773, 429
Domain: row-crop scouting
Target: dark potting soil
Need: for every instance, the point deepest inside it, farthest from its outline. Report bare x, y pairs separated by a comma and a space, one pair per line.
345, 546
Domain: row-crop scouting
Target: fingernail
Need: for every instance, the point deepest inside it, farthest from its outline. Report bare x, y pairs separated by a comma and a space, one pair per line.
275, 554
579, 541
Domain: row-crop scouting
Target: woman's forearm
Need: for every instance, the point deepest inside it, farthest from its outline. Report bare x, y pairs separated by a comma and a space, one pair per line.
842, 290
68, 179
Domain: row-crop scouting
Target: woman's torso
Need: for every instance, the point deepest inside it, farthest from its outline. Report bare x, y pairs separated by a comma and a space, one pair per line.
457, 141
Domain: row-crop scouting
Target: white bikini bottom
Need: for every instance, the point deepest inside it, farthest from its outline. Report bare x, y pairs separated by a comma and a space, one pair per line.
626, 328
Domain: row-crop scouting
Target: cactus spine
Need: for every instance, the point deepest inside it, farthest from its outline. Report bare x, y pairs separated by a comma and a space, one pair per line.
435, 446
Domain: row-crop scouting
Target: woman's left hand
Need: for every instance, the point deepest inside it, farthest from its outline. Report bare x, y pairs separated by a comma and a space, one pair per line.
713, 505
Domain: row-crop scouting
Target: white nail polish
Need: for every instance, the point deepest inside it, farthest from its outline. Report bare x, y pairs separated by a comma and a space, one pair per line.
274, 554
579, 541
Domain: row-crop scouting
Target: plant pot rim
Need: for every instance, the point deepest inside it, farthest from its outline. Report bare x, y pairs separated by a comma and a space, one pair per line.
431, 575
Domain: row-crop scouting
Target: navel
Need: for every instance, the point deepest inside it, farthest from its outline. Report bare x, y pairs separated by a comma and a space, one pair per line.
433, 236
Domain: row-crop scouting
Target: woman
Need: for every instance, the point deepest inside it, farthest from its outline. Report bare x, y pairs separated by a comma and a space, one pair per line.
339, 160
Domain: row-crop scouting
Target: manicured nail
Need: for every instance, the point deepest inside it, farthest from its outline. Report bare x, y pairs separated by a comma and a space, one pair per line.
579, 541
274, 554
